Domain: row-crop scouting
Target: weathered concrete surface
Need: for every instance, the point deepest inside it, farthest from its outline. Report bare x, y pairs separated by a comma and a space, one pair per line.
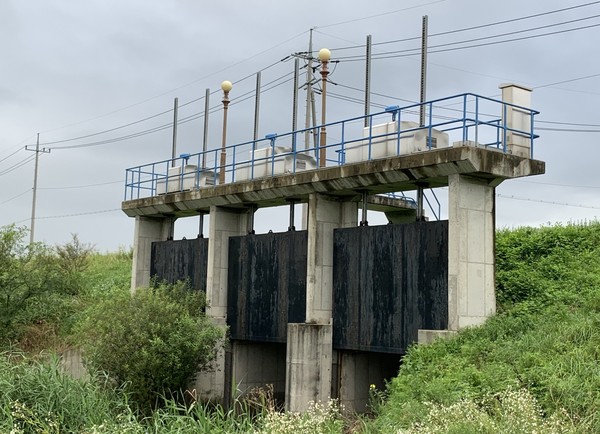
323, 217
147, 230
308, 367
471, 259
400, 173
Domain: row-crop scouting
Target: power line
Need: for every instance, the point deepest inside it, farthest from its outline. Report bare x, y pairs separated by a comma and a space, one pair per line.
15, 197
18, 165
558, 185
546, 201
82, 186
104, 211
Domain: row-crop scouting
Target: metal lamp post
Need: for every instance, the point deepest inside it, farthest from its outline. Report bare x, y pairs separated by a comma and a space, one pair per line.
324, 56
226, 86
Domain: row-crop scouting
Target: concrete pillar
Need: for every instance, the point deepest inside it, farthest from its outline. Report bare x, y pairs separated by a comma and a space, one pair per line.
471, 260
515, 118
308, 370
323, 217
310, 345
215, 384
147, 230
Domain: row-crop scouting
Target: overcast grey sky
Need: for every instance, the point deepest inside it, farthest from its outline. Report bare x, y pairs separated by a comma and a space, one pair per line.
77, 68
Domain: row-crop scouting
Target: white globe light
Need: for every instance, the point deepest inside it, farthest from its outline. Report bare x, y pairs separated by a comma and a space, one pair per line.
324, 55
226, 86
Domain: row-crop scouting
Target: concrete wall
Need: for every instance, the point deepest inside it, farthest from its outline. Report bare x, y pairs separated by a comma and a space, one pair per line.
255, 365
471, 260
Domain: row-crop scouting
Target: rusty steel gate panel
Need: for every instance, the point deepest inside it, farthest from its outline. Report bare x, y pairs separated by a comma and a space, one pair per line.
266, 285
175, 260
389, 282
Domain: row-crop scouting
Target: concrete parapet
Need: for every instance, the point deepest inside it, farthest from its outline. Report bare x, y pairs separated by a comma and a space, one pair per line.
309, 361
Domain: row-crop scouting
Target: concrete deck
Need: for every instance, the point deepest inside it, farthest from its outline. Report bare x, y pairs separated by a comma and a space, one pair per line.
393, 174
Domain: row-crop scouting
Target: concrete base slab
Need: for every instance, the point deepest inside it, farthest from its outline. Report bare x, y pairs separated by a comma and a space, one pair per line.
429, 336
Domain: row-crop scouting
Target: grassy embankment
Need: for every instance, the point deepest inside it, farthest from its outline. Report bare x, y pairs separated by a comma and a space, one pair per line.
535, 367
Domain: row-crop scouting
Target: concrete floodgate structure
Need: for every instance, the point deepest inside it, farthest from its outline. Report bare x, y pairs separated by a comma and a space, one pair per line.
327, 311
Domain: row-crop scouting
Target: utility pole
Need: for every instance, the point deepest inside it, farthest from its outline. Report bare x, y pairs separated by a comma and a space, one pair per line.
423, 69
37, 151
309, 93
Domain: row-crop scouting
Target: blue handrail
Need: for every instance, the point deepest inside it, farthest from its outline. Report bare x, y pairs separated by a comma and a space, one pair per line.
465, 117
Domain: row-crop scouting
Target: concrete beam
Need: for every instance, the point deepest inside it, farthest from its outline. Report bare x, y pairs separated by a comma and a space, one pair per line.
400, 173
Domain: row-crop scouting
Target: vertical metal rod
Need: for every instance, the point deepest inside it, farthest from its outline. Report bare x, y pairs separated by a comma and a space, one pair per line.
323, 138
291, 227
256, 109
205, 136
251, 212
201, 225
35, 177
423, 69
295, 95
419, 203
368, 82
363, 221
174, 148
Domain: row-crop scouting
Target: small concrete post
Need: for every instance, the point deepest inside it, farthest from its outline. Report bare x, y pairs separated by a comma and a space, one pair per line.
515, 118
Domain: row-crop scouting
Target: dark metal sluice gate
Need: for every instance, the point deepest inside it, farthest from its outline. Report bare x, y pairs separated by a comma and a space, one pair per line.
388, 282
175, 260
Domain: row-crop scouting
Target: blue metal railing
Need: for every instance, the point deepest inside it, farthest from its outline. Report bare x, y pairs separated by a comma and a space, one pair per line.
466, 118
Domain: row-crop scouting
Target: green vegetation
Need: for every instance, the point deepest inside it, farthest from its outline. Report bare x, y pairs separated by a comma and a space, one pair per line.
154, 340
534, 367
544, 346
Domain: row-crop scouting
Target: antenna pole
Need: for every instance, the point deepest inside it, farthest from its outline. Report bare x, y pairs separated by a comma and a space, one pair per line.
205, 137
256, 109
368, 82
174, 147
423, 69
309, 79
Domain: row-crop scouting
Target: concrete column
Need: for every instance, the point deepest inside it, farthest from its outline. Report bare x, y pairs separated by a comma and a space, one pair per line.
310, 345
323, 217
215, 384
147, 230
471, 260
514, 118
308, 370
224, 223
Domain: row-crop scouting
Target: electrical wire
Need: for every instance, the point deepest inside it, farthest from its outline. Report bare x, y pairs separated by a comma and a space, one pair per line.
82, 186
16, 197
18, 165
546, 201
104, 211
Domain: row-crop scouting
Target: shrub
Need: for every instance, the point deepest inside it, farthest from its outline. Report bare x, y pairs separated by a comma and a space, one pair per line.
29, 283
153, 341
